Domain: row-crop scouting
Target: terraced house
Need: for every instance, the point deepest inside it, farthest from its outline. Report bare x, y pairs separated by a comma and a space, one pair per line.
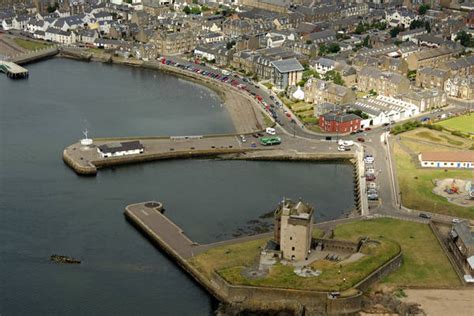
432, 57
318, 91
429, 77
384, 83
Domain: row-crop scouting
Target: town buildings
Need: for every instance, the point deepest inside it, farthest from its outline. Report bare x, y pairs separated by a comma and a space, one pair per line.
384, 83
318, 91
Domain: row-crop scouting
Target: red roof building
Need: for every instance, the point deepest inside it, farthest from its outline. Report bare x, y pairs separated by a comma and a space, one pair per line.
342, 123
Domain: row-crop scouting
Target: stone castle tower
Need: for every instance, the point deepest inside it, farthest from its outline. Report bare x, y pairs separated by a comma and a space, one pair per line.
293, 229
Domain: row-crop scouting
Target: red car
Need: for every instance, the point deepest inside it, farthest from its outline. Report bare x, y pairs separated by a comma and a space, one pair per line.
368, 129
361, 139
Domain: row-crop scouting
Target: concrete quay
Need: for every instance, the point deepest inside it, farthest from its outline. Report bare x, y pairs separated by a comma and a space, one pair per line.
171, 239
85, 160
13, 70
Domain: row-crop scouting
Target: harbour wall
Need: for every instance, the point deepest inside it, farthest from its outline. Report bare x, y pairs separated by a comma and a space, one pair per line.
35, 56
261, 298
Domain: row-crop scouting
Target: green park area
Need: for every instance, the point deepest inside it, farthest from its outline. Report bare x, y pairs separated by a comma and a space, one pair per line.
464, 123
305, 112
30, 45
424, 262
231, 261
416, 183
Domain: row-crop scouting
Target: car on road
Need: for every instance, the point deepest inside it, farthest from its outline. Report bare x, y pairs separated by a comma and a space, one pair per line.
361, 139
343, 148
367, 129
243, 139
424, 215
253, 145
385, 124
270, 131
456, 220
255, 135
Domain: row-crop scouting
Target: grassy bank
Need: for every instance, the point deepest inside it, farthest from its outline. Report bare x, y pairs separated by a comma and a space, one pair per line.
30, 45
464, 123
424, 262
416, 183
231, 261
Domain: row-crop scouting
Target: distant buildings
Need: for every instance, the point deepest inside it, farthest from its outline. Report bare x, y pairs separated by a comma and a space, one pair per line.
432, 57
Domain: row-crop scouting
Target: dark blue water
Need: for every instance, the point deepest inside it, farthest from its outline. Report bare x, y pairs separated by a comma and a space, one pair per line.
46, 209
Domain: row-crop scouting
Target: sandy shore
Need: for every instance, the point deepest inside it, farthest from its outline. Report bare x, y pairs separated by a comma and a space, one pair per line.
443, 302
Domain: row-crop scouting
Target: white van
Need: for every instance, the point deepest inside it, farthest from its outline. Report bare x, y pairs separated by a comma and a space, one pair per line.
270, 131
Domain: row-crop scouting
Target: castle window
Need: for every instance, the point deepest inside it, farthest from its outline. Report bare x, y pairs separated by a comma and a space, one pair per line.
291, 238
293, 248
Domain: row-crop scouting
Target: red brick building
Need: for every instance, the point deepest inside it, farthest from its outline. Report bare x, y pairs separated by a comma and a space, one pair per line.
343, 123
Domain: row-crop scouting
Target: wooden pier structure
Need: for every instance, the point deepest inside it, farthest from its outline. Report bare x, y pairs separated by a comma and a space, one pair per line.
12, 70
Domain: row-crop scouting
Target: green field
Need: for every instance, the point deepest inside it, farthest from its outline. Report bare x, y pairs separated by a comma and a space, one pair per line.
230, 261
30, 45
464, 123
416, 183
424, 262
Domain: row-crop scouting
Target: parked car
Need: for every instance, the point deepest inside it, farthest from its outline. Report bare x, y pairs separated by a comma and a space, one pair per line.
243, 139
371, 191
373, 197
456, 220
370, 171
343, 148
371, 185
369, 159
367, 129
361, 139
370, 177
424, 215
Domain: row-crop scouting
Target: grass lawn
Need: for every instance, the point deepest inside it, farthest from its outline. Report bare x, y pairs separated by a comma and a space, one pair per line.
30, 45
416, 183
424, 262
230, 261
464, 123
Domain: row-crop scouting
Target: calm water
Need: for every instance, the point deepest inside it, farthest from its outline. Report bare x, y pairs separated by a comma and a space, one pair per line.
45, 208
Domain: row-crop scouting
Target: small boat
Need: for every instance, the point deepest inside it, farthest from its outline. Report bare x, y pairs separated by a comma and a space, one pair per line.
64, 259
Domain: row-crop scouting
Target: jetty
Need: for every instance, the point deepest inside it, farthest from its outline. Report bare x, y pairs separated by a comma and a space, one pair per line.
13, 70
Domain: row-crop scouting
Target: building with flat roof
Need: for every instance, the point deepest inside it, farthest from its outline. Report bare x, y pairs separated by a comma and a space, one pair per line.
120, 149
447, 159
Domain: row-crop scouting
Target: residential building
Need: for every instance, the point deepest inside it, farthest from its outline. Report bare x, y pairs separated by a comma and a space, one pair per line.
174, 43
432, 57
460, 87
318, 91
400, 17
384, 83
460, 67
341, 123
447, 159
425, 99
428, 77
323, 65
287, 72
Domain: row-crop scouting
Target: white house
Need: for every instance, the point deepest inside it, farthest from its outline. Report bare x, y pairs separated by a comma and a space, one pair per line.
383, 109
20, 22
323, 65
275, 39
400, 17
447, 159
120, 149
7, 24
59, 36
205, 52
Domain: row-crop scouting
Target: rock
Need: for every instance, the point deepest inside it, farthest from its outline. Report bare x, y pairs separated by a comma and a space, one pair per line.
64, 259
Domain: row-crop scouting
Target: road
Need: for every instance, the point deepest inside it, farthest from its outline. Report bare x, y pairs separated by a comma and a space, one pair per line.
377, 140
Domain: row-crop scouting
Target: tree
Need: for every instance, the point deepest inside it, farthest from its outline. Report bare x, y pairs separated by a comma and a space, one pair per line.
367, 42
428, 27
230, 44
423, 8
394, 32
465, 39
187, 10
415, 24
334, 48
360, 28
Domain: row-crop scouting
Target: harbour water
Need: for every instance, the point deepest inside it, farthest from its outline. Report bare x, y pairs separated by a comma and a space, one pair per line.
46, 209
